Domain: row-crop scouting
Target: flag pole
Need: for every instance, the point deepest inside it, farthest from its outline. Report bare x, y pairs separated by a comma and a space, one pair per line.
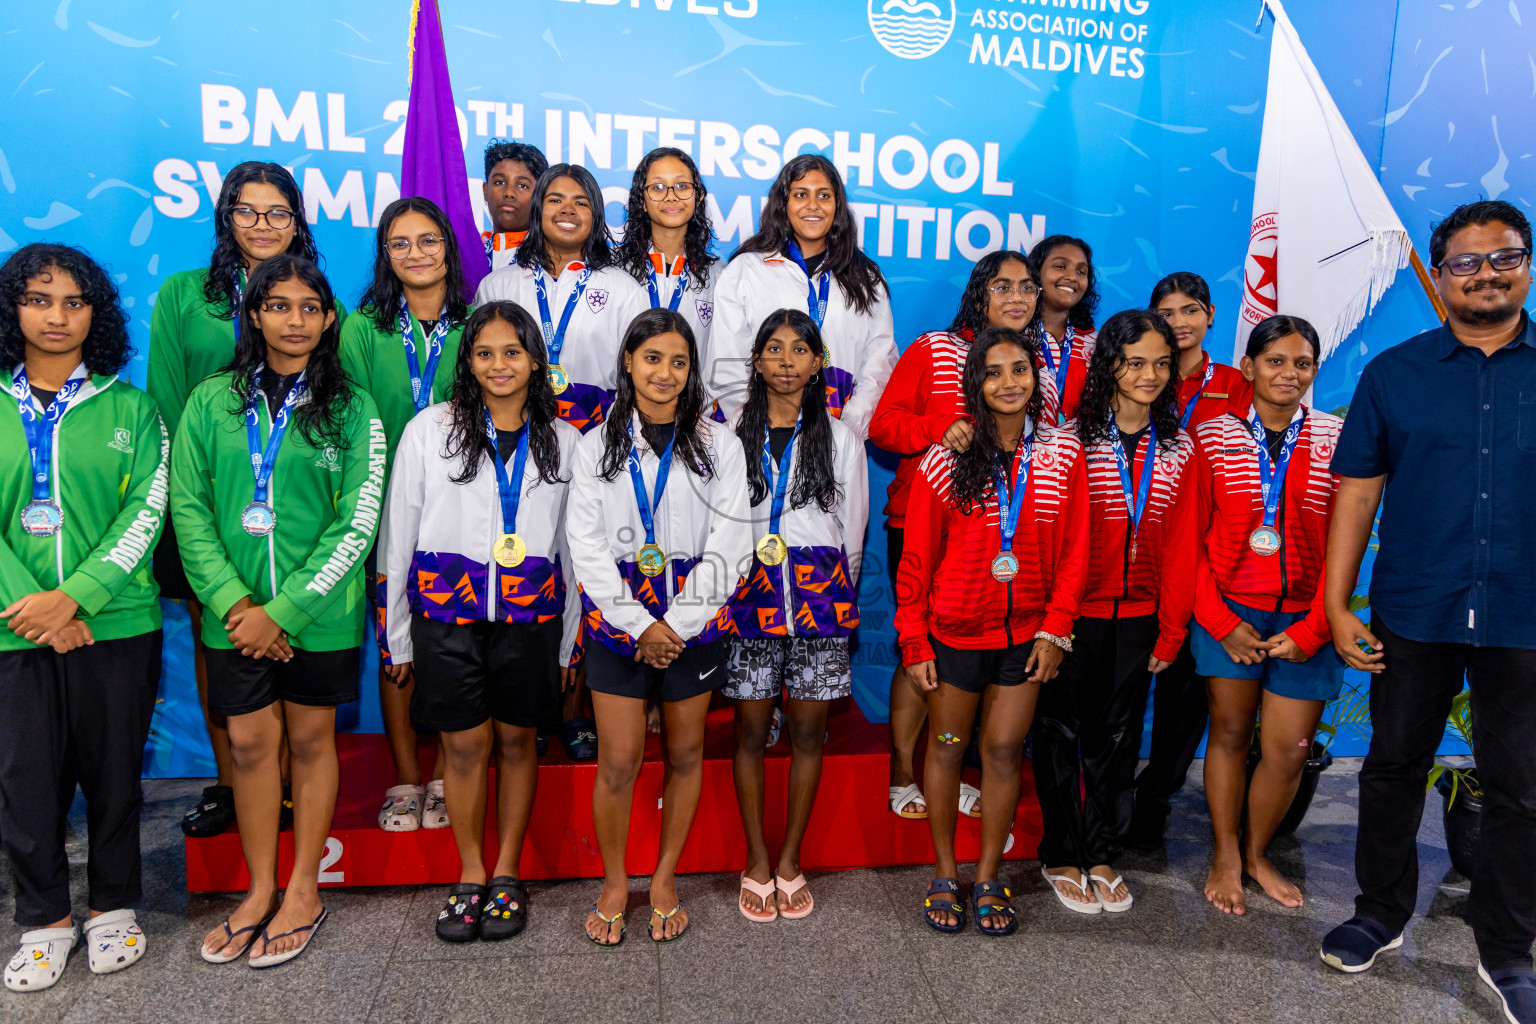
1427, 284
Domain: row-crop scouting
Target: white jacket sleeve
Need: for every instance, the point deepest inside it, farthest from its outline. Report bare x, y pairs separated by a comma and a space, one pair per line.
877, 360
397, 539
852, 473
497, 284
592, 562
727, 546
726, 362
570, 624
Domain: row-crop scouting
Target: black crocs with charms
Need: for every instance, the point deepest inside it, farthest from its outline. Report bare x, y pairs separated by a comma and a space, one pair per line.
459, 920
506, 908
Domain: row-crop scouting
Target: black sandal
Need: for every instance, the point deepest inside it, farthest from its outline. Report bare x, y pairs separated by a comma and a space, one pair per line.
580, 738
459, 920
944, 897
999, 891
213, 815
506, 908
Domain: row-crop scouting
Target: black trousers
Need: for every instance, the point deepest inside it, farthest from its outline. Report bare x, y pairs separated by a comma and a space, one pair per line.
1087, 729
1179, 717
67, 719
1409, 704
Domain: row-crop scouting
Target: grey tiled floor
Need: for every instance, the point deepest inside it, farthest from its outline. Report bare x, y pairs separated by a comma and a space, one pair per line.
864, 955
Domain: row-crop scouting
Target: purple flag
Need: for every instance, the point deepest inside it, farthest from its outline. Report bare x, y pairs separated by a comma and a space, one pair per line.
432, 165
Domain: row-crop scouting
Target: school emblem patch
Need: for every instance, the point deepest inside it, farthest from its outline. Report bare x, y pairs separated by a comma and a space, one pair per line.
328, 458
122, 440
1322, 449
706, 310
597, 298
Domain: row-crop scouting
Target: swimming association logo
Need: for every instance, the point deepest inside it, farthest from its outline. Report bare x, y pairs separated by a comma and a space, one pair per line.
912, 28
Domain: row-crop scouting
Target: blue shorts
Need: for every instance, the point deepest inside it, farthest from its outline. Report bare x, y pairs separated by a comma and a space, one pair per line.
1320, 677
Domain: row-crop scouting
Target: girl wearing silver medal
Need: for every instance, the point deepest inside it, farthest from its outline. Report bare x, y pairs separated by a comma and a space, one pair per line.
1260, 635
795, 612
991, 574
658, 529
478, 602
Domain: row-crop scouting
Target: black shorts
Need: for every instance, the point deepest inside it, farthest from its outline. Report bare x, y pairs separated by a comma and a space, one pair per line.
238, 685
895, 538
697, 670
167, 568
974, 671
469, 674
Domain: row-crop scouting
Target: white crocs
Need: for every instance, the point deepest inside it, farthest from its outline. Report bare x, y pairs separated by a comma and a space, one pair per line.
402, 808
41, 959
113, 941
436, 813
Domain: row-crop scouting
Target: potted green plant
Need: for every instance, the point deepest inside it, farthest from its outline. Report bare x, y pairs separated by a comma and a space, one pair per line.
1460, 790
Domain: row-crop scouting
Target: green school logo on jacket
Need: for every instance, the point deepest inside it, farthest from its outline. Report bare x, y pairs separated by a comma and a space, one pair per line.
327, 459
122, 440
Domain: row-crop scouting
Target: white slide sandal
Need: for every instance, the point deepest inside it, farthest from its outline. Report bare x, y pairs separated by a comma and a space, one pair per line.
901, 796
1113, 906
970, 800
1077, 908
113, 941
402, 808
41, 959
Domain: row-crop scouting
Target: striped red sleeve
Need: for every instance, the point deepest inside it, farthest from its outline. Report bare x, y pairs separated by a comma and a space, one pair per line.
1176, 584
1071, 576
901, 424
925, 526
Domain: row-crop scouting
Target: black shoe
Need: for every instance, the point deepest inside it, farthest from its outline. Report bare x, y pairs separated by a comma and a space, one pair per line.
541, 743
506, 908
580, 738
214, 813
1353, 946
459, 920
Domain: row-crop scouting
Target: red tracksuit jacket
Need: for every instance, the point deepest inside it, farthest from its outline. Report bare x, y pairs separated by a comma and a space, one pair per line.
944, 584
1059, 408
920, 402
1228, 391
1162, 577
1292, 579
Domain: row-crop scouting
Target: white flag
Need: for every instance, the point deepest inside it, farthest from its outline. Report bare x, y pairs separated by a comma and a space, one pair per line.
1325, 243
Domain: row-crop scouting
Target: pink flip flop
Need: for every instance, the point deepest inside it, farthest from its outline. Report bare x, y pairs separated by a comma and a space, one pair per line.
789, 887
763, 891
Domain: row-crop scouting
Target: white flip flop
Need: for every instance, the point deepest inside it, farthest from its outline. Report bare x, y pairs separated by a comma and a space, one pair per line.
435, 814
903, 795
40, 961
402, 808
113, 941
1077, 908
265, 961
970, 800
1112, 906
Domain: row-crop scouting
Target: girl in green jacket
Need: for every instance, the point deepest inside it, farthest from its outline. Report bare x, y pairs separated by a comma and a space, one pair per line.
192, 331
277, 483
82, 499
401, 346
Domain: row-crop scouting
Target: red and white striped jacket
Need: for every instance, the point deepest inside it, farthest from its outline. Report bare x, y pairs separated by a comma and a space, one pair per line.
944, 585
921, 401
1228, 391
1060, 407
1161, 579
1291, 580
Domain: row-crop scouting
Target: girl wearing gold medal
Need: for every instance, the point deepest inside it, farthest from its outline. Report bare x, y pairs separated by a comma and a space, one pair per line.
658, 527
991, 575
793, 615
477, 599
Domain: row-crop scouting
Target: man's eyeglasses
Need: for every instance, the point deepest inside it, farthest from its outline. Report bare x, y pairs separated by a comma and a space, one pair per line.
658, 191
245, 217
1026, 290
1469, 263
400, 248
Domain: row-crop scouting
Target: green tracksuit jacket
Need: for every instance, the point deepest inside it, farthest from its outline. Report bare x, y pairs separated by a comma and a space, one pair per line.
308, 572
375, 360
188, 342
111, 460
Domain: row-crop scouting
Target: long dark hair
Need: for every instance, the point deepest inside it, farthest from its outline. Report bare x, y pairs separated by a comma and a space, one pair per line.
1095, 413
1184, 281
219, 287
106, 349
975, 468
1080, 316
321, 420
691, 437
857, 275
382, 299
814, 477
467, 440
972, 314
597, 253
633, 255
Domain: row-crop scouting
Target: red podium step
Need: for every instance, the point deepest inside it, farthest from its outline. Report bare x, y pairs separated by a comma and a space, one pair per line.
852, 826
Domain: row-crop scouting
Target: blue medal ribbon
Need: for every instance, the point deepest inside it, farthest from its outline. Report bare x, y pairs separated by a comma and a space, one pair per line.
781, 480
554, 337
1048, 347
40, 428
1135, 505
816, 291
509, 487
1194, 399
1272, 476
263, 461
1010, 502
677, 291
664, 468
421, 380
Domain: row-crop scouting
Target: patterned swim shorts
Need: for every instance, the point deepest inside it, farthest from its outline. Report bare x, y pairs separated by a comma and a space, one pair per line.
806, 667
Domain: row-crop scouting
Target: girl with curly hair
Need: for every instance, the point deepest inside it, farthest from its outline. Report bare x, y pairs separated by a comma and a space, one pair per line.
1069, 294
667, 238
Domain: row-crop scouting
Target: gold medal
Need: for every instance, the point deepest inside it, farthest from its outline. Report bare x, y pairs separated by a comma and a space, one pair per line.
771, 549
559, 380
509, 550
652, 560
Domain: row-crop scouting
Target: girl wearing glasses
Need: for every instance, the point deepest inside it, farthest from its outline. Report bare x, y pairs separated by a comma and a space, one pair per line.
512, 169
400, 347
277, 486
1069, 294
667, 237
995, 561
564, 275
806, 255
924, 405
192, 335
